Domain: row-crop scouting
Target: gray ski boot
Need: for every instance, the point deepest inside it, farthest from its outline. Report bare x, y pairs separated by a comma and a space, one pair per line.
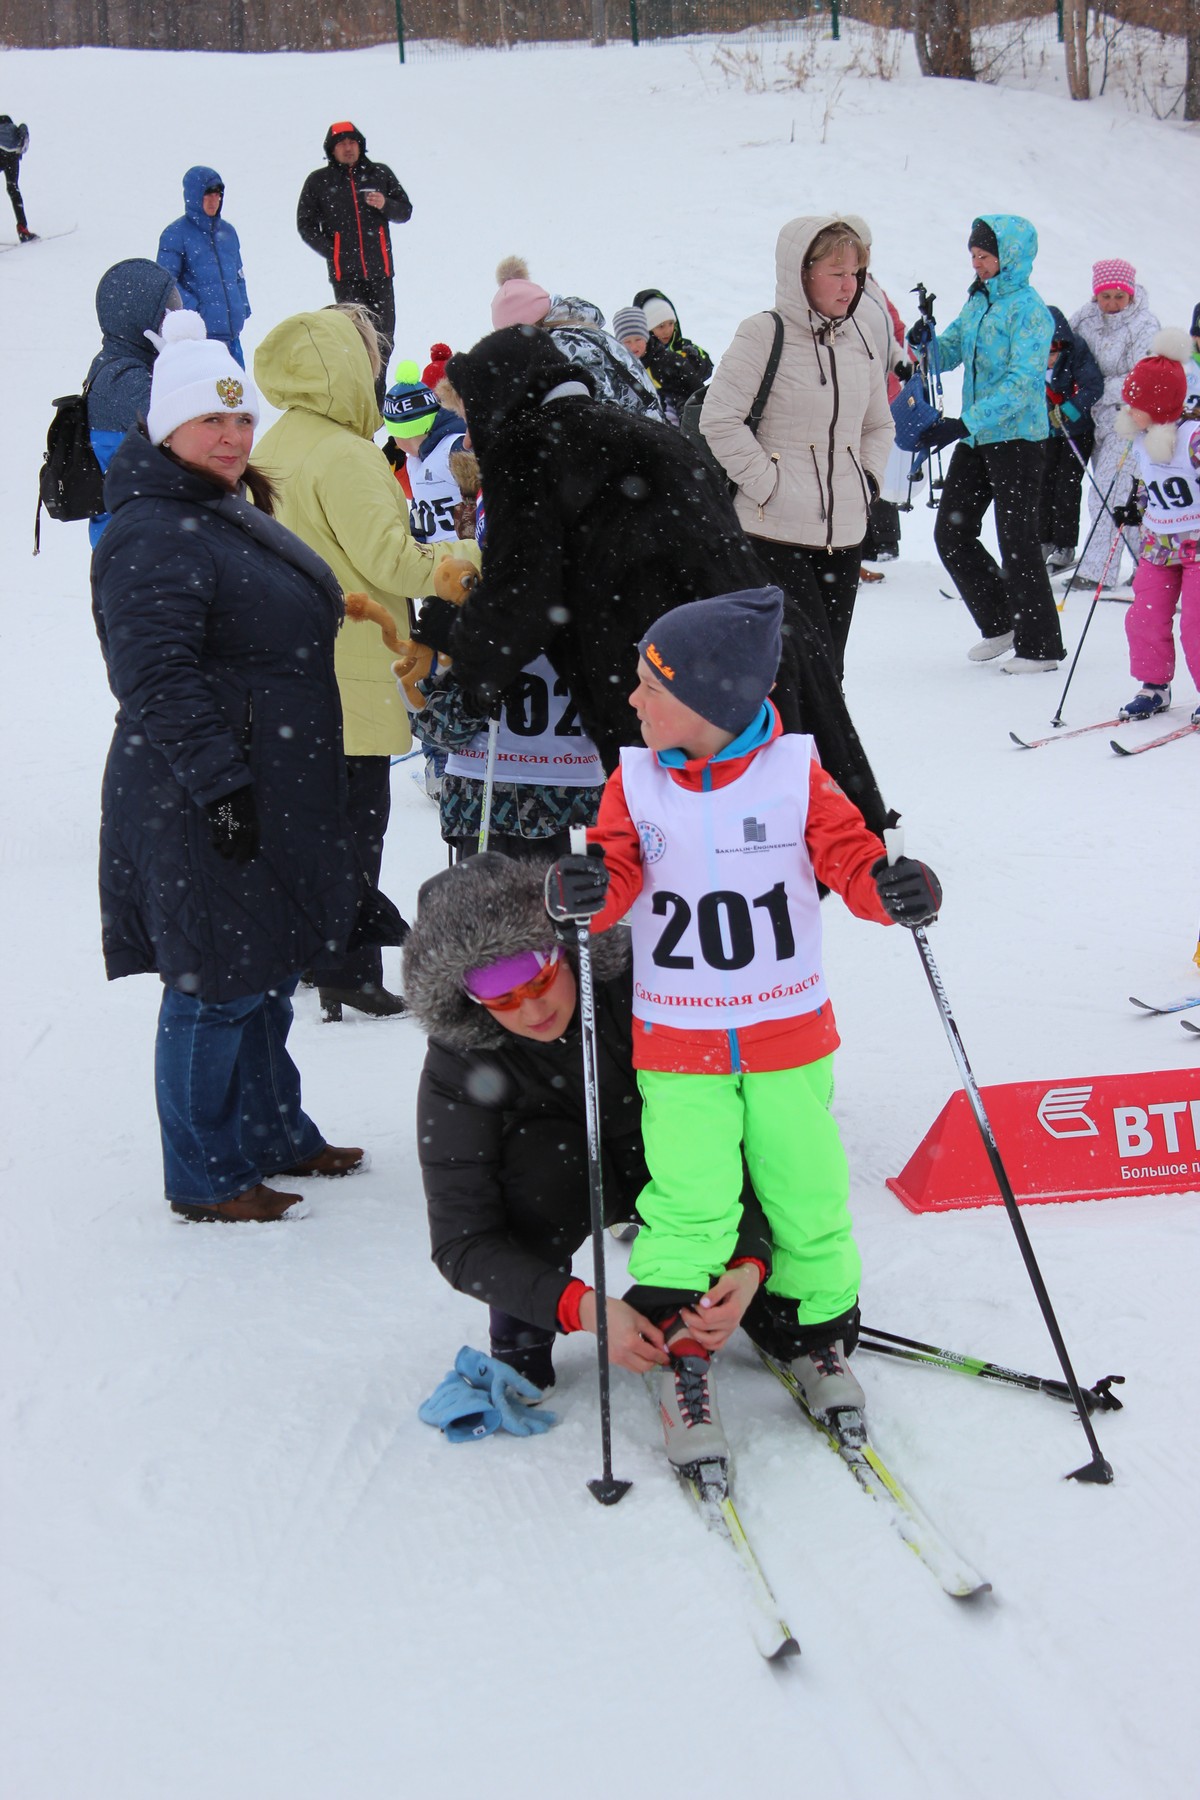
687, 1403
826, 1383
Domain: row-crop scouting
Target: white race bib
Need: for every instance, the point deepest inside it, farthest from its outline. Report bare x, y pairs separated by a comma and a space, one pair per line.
435, 492
727, 927
541, 742
1172, 489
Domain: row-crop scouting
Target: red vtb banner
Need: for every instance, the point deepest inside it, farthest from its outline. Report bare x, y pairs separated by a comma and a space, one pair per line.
1076, 1140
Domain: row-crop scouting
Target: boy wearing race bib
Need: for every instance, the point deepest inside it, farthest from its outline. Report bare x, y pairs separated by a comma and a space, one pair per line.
1166, 504
548, 773
714, 838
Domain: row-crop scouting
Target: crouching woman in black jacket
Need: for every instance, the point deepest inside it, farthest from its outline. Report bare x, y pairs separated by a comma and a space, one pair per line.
501, 1127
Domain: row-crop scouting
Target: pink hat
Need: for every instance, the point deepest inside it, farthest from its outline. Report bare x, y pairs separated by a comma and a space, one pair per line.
492, 980
1114, 272
519, 303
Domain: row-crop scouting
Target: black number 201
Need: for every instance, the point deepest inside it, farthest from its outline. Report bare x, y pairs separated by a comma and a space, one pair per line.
725, 927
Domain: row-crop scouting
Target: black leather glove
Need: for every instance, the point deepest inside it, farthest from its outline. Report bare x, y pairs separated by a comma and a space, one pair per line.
921, 334
1129, 515
576, 886
233, 825
903, 371
941, 433
910, 891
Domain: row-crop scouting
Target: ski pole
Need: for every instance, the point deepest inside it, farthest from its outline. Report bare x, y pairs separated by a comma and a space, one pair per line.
1099, 1398
1097, 1469
1077, 453
1105, 498
489, 783
606, 1488
1058, 718
938, 398
931, 383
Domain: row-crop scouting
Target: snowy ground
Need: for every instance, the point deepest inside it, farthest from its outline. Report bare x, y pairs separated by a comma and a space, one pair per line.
235, 1561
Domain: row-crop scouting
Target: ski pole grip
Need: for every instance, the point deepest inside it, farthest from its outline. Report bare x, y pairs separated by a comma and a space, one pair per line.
579, 840
893, 843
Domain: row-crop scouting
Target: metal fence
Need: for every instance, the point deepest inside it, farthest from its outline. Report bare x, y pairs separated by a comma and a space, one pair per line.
1136, 49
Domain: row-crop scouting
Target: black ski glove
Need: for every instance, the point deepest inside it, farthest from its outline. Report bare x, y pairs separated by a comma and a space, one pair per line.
1129, 515
941, 433
233, 825
910, 891
921, 334
576, 886
903, 371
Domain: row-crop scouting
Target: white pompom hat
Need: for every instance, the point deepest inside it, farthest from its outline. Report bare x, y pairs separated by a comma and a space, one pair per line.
193, 375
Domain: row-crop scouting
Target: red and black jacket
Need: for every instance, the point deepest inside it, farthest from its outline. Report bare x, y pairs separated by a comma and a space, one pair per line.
334, 219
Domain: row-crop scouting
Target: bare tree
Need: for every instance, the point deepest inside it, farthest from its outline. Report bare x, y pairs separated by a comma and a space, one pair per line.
1075, 17
942, 33
1191, 88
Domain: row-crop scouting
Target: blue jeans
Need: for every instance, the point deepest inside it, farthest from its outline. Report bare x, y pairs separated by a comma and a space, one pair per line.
228, 1094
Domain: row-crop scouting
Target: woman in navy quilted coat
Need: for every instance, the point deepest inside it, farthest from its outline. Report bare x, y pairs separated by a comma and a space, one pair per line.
225, 861
201, 250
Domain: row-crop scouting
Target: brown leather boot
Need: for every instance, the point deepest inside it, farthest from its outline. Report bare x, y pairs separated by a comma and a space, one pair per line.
259, 1205
329, 1161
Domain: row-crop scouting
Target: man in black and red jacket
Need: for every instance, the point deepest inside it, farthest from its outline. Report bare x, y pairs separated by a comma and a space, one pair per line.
344, 213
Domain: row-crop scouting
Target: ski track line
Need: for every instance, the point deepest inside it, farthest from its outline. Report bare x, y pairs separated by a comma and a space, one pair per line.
338, 1474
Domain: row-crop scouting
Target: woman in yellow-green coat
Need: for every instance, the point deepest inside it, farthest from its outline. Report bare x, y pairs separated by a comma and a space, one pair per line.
339, 495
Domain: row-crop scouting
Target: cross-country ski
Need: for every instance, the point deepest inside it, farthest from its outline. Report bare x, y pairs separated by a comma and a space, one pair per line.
37, 237
1060, 737
846, 1433
1166, 1006
1168, 737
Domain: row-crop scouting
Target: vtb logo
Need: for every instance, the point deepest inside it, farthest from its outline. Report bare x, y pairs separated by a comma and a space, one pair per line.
1061, 1113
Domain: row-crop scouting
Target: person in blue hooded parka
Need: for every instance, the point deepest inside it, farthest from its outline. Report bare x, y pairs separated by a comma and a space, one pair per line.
132, 300
202, 252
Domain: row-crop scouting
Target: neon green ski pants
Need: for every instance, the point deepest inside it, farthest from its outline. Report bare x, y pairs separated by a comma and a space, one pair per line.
694, 1128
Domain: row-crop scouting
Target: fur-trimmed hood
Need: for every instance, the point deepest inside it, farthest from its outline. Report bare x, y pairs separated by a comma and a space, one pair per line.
471, 915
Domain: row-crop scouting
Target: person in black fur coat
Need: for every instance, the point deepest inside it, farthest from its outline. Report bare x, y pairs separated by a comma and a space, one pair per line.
597, 523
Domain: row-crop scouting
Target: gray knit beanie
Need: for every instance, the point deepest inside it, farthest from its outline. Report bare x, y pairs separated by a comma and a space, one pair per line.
630, 321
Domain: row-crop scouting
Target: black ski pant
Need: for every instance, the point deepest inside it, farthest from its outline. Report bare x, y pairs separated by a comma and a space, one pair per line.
1062, 486
883, 531
10, 162
369, 805
543, 1176
822, 582
1016, 597
379, 298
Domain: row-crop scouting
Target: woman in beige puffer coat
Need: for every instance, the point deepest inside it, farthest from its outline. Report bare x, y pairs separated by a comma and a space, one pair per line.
804, 484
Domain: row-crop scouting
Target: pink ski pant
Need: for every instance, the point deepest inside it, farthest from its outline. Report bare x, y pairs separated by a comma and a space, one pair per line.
1157, 591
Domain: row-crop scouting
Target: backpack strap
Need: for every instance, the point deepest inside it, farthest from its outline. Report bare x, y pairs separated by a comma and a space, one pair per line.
754, 416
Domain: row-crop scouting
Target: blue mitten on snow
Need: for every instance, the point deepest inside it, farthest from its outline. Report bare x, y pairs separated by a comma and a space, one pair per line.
508, 1392
459, 1410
